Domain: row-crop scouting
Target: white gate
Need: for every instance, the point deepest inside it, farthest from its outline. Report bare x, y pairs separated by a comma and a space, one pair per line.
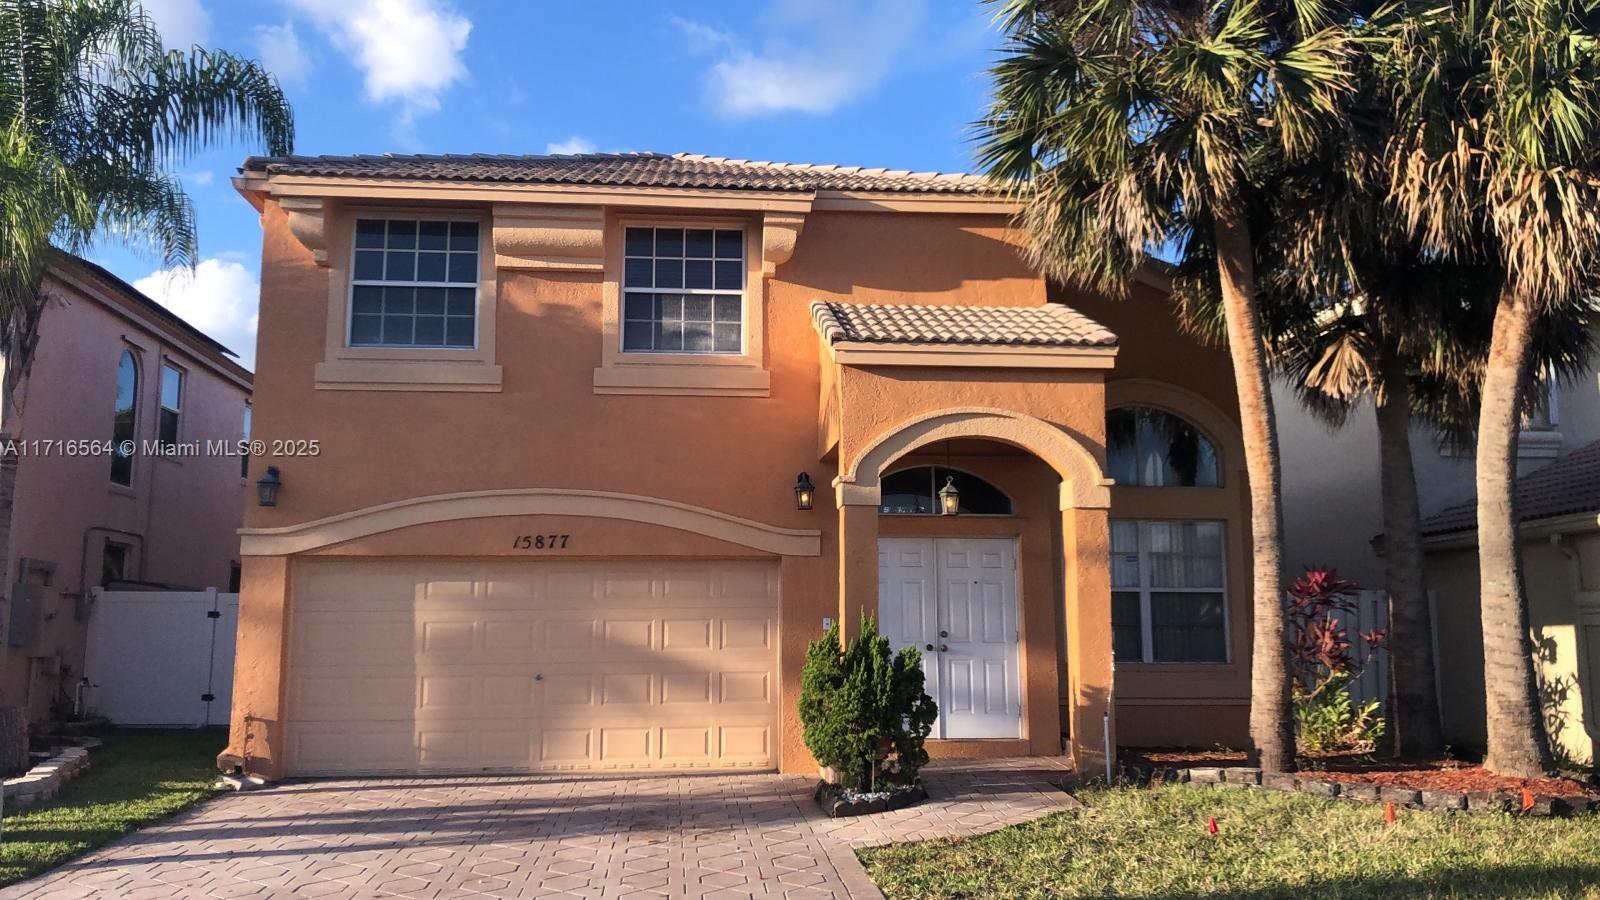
1371, 614
161, 657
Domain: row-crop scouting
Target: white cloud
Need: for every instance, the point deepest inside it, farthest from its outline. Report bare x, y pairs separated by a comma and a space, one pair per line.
698, 37
220, 297
572, 144
409, 51
817, 56
183, 23
280, 51
199, 178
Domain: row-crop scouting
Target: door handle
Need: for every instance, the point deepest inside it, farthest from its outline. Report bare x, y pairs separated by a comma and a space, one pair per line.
944, 647
930, 648
944, 634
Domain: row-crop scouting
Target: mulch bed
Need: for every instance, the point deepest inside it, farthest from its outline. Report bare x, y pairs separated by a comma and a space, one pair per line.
1437, 774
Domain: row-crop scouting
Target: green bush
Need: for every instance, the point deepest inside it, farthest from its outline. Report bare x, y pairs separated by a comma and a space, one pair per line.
864, 710
1326, 719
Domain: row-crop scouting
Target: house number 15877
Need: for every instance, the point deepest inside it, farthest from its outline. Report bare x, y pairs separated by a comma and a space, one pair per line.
540, 542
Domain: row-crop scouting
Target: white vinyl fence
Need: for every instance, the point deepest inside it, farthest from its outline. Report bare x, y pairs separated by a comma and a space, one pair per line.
1371, 614
161, 657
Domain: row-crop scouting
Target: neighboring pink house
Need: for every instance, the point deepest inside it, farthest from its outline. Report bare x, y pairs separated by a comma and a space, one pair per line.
113, 365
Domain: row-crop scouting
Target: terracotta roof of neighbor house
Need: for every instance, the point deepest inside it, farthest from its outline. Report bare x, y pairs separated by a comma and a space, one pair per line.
1051, 325
1569, 485
678, 170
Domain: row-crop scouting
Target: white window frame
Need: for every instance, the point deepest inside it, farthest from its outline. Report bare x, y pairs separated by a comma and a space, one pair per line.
1145, 590
743, 293
351, 282
168, 365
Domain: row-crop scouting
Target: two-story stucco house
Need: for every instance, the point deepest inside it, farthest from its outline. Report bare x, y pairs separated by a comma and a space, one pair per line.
112, 366
603, 441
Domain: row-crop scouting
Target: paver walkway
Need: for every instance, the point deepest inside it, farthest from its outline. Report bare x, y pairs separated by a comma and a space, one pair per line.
536, 836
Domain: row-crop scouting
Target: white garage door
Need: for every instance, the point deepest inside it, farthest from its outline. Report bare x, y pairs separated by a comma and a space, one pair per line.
402, 666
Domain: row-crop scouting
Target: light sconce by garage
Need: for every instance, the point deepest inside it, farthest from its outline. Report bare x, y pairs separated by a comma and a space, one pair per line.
805, 494
949, 498
267, 487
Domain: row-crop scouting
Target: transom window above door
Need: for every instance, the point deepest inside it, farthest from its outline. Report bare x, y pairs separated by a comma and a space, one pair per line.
414, 283
915, 492
683, 290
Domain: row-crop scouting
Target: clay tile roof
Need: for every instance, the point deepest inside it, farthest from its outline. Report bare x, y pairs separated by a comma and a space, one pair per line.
1569, 485
679, 170
1051, 325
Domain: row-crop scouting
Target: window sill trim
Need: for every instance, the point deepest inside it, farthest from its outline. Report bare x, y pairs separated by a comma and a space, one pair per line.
684, 380
407, 375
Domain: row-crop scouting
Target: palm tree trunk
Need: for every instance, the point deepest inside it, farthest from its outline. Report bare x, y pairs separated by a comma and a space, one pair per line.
1411, 667
1518, 745
1271, 720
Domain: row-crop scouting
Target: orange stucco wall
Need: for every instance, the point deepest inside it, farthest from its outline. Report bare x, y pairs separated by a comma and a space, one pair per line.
548, 428
180, 516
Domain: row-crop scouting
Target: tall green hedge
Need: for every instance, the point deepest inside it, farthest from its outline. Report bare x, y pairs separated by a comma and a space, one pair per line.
855, 700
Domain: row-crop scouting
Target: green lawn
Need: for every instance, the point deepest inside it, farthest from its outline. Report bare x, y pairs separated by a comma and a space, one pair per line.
136, 778
1153, 844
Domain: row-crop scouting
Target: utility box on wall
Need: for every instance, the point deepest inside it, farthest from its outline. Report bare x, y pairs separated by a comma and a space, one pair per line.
29, 594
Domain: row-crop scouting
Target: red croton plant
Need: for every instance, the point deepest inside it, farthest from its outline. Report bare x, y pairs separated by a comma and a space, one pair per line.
1320, 603
1319, 644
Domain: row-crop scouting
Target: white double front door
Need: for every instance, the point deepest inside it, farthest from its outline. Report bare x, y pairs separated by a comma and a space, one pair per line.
955, 599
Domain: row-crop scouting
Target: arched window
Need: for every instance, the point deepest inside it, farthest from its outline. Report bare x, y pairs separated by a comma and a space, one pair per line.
914, 492
1148, 447
122, 423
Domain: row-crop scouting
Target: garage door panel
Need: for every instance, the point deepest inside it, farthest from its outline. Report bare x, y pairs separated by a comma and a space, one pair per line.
561, 666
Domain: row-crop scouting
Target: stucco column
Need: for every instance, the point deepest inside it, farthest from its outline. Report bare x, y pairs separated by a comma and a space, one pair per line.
255, 734
1086, 535
858, 557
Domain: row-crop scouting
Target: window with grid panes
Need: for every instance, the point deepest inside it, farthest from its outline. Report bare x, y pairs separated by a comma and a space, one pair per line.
1168, 600
683, 290
414, 283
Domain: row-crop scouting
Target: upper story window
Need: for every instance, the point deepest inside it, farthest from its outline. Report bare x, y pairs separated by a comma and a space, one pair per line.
1148, 447
123, 419
1543, 414
414, 283
244, 458
171, 404
914, 492
683, 290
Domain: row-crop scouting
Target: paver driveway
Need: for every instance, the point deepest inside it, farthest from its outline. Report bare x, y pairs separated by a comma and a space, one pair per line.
527, 836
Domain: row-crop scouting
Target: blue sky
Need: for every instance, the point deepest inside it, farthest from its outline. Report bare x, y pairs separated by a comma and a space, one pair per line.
855, 82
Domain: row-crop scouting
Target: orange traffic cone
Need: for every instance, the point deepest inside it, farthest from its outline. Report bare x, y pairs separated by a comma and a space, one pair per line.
1527, 800
1388, 812
1211, 824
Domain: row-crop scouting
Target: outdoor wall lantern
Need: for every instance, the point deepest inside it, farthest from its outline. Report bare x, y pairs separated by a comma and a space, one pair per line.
267, 487
949, 498
804, 492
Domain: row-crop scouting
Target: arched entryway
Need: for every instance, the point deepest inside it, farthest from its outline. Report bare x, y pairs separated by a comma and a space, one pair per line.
1009, 594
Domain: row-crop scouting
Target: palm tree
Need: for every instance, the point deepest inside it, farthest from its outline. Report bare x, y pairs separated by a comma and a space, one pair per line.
94, 112
1410, 337
1132, 125
1498, 146
1360, 313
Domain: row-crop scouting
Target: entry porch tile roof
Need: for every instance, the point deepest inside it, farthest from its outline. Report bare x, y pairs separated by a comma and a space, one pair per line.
1567, 486
1050, 325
